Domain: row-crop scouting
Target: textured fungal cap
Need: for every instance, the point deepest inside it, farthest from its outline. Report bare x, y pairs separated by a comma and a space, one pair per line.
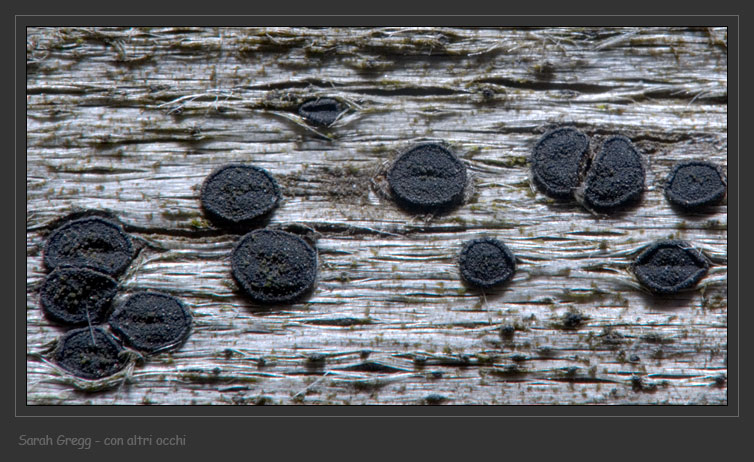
151, 321
616, 176
77, 295
667, 267
427, 178
695, 184
89, 353
93, 242
486, 263
274, 267
238, 194
556, 161
322, 111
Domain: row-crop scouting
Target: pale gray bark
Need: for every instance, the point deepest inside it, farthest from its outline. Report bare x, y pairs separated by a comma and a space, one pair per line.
132, 120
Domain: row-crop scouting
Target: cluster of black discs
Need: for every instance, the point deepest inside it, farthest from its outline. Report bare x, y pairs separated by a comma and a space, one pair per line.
85, 255
278, 267
613, 179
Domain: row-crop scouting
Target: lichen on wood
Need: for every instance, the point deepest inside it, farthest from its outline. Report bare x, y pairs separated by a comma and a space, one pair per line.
131, 120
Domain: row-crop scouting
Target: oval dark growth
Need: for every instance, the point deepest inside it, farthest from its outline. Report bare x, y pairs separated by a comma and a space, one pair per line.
93, 242
667, 267
486, 263
321, 111
151, 321
557, 160
74, 295
616, 176
89, 353
695, 184
236, 194
274, 267
427, 178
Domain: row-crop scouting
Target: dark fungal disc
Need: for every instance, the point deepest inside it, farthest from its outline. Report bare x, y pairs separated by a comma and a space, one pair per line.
89, 353
427, 178
486, 263
695, 184
237, 194
274, 267
669, 266
93, 242
151, 321
616, 176
557, 160
77, 295
321, 111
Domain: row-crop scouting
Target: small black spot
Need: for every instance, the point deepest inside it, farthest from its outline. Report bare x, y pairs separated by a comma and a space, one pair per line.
316, 358
616, 176
76, 295
89, 353
507, 331
152, 321
634, 358
486, 263
557, 160
435, 399
572, 320
92, 242
427, 178
695, 184
667, 267
373, 366
274, 267
239, 195
321, 111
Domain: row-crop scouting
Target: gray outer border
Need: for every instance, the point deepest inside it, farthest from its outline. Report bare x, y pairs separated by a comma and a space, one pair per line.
241, 433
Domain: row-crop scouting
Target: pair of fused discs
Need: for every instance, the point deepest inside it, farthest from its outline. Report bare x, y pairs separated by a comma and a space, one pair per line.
85, 255
613, 179
270, 266
150, 322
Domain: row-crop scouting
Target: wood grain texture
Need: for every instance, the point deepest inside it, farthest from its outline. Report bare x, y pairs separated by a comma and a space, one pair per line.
133, 120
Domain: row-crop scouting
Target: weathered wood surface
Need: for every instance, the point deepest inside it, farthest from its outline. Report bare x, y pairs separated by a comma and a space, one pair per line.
132, 120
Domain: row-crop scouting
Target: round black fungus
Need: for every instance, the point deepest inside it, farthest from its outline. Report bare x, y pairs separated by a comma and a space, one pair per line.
151, 321
274, 267
93, 242
427, 178
76, 295
557, 160
695, 184
486, 263
667, 267
90, 353
236, 195
322, 111
616, 176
